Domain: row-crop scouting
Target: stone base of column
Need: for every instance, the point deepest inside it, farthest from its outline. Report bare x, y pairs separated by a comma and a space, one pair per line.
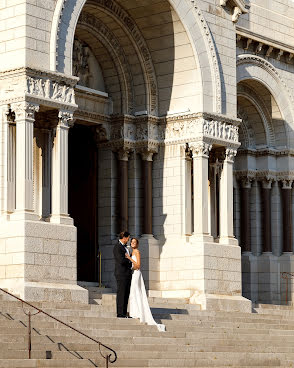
61, 219
286, 264
229, 240
149, 249
38, 261
206, 273
250, 276
24, 216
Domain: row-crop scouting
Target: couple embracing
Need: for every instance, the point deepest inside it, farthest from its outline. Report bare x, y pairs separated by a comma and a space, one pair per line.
130, 283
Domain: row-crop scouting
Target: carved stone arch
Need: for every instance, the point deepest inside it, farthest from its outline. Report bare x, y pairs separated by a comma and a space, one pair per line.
111, 43
261, 108
256, 68
62, 35
246, 129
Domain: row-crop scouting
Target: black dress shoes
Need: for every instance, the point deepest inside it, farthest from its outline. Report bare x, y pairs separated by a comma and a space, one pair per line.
121, 316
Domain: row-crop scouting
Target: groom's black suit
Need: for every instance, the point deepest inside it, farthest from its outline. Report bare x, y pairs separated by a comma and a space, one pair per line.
123, 275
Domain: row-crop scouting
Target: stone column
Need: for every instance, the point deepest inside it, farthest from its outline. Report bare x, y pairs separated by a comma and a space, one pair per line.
245, 215
60, 170
226, 200
266, 216
147, 199
287, 215
24, 119
200, 153
123, 158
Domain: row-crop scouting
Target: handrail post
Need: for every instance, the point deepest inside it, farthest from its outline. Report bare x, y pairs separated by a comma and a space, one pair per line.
29, 335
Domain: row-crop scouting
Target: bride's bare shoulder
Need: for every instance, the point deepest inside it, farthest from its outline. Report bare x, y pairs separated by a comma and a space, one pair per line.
136, 251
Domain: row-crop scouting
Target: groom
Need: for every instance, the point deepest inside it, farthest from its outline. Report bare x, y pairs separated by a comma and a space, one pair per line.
123, 274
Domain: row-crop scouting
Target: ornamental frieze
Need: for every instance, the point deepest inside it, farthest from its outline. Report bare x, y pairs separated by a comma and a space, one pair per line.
38, 86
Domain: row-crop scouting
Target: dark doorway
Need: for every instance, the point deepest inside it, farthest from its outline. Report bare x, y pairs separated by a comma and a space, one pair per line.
83, 198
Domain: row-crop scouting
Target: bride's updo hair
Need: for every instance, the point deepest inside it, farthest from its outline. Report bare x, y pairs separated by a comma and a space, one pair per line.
137, 242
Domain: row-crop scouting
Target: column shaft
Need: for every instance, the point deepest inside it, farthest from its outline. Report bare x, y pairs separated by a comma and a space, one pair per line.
200, 182
147, 182
245, 219
266, 218
123, 195
24, 156
287, 218
60, 170
226, 199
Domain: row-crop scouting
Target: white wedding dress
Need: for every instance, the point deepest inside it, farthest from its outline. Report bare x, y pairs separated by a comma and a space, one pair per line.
138, 302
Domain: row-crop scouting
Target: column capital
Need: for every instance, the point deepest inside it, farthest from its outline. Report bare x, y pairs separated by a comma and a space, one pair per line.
230, 154
200, 149
287, 183
123, 153
24, 110
267, 182
246, 182
66, 119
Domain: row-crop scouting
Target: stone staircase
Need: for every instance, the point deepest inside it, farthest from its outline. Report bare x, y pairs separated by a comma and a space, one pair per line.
194, 338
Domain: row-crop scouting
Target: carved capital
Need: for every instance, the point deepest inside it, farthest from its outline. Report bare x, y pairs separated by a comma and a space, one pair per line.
24, 110
230, 154
65, 119
123, 153
200, 149
267, 182
287, 183
147, 155
246, 182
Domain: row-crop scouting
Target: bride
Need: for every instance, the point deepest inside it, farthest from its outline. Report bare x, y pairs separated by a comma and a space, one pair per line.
138, 302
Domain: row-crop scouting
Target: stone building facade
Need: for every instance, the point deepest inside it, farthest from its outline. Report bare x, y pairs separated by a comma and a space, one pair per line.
172, 119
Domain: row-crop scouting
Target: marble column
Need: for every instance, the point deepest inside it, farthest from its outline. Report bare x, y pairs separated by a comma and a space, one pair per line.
123, 158
60, 170
245, 215
287, 215
226, 199
147, 190
200, 152
24, 119
266, 216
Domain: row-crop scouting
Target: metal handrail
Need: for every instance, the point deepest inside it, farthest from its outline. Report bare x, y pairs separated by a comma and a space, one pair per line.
287, 276
109, 358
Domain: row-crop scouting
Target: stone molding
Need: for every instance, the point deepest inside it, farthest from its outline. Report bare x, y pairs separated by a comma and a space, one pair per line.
39, 87
286, 177
213, 57
130, 26
267, 66
264, 45
113, 46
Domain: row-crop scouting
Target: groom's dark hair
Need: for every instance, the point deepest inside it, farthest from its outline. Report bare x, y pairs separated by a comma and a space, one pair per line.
124, 234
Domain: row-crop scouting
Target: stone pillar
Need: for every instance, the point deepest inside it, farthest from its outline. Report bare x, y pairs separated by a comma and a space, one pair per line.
245, 215
60, 170
123, 157
24, 119
226, 200
147, 199
200, 153
266, 216
287, 215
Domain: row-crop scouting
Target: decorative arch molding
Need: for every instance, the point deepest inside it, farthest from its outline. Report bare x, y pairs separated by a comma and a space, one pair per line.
111, 43
62, 35
246, 128
256, 68
260, 106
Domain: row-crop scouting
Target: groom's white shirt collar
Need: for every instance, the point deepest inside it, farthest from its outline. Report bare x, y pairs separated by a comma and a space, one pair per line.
125, 247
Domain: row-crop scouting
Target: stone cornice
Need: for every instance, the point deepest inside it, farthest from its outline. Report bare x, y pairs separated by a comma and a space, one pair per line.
266, 175
205, 115
265, 46
266, 152
38, 86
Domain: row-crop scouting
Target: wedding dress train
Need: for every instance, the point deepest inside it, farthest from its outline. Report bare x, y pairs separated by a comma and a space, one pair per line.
138, 302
